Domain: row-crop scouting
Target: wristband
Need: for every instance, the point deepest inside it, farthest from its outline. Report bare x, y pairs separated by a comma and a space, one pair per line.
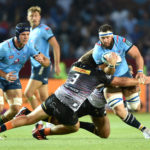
111, 66
140, 71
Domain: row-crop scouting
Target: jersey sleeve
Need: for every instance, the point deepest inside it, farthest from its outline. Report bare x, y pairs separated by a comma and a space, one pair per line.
47, 33
96, 54
34, 51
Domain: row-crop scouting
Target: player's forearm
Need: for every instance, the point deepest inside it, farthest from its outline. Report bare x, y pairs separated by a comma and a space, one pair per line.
56, 55
3, 74
124, 82
45, 62
109, 70
139, 63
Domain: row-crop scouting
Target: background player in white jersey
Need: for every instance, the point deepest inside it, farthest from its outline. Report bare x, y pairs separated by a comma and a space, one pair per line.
68, 99
41, 38
13, 54
114, 43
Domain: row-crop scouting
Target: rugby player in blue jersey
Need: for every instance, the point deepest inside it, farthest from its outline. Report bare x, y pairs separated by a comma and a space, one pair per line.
108, 42
41, 38
120, 45
14, 52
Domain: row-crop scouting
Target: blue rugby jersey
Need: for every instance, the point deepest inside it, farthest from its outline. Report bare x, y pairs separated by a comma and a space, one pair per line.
121, 46
39, 37
12, 59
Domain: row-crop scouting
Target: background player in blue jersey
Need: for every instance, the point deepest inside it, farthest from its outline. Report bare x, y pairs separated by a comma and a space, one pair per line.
41, 38
121, 46
14, 52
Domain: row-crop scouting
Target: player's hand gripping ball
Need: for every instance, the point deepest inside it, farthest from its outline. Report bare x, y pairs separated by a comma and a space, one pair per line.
109, 54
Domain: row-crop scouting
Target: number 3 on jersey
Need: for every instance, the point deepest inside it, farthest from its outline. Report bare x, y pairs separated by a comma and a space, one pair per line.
74, 78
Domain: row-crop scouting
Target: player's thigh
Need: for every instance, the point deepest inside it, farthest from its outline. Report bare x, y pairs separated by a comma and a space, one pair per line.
37, 114
1, 92
113, 96
112, 90
127, 91
1, 100
14, 99
32, 86
13, 93
102, 125
43, 91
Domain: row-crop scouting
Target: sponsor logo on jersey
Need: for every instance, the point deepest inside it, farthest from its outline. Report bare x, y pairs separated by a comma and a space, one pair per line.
128, 43
16, 61
46, 79
77, 69
10, 57
124, 39
108, 76
75, 105
47, 28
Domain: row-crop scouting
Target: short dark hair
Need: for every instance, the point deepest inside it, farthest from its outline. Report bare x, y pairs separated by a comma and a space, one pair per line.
105, 28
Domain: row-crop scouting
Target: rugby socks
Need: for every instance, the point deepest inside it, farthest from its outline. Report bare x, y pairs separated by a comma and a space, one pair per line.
6, 126
87, 126
132, 121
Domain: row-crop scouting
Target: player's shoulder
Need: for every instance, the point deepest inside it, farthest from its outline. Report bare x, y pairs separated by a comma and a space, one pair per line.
6, 44
98, 43
44, 27
119, 39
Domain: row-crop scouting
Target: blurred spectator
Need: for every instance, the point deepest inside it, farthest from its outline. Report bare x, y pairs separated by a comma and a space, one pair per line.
129, 23
76, 22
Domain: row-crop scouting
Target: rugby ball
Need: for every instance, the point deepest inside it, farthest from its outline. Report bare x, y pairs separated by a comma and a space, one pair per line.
109, 54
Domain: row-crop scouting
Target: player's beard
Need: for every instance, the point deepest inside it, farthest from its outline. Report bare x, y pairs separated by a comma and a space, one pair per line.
110, 46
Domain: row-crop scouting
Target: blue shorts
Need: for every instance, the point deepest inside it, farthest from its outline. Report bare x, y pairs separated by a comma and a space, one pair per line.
40, 73
6, 85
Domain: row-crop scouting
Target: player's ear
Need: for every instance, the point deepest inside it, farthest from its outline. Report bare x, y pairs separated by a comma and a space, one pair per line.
27, 17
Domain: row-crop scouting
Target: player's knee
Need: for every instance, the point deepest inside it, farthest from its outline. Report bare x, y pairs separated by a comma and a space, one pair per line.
28, 94
103, 134
120, 111
15, 102
135, 106
43, 98
114, 99
133, 101
74, 128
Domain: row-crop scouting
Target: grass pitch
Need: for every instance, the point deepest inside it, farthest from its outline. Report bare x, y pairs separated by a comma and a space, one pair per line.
122, 137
